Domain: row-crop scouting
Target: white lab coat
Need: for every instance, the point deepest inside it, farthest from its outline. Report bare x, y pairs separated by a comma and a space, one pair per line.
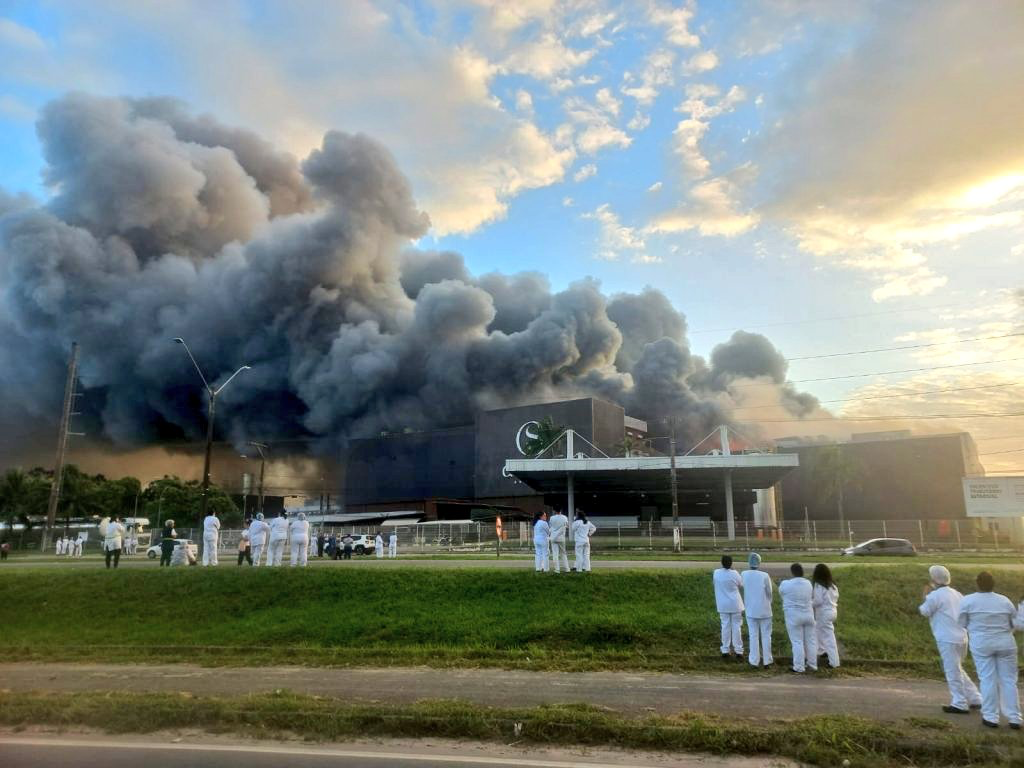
78, 547
582, 530
757, 591
59, 546
258, 531
826, 609
729, 603
114, 537
299, 530
211, 538
797, 596
393, 545
558, 525
378, 545
278, 536
541, 540
942, 608
989, 619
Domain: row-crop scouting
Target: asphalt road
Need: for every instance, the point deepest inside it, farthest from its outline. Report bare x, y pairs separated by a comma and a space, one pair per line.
56, 751
757, 695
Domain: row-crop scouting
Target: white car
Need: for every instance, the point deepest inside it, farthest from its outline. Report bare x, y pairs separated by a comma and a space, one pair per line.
193, 549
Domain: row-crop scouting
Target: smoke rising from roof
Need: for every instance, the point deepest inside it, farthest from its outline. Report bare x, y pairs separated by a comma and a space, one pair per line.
164, 224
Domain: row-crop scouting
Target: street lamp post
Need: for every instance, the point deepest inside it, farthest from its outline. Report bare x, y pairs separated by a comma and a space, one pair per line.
210, 410
261, 448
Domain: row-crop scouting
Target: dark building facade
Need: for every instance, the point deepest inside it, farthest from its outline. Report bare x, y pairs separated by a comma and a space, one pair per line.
894, 476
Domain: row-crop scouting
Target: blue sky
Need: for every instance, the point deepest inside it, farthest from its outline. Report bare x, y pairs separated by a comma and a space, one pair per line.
768, 165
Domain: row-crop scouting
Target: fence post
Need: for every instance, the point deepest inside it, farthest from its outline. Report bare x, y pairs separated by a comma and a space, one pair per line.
714, 535
746, 533
956, 525
885, 531
995, 536
849, 530
815, 528
650, 535
618, 531
920, 532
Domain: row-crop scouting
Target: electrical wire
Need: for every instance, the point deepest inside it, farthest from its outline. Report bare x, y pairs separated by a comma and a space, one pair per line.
888, 397
922, 417
906, 346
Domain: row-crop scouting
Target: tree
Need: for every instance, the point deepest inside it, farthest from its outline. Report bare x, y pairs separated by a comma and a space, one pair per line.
546, 433
13, 492
630, 445
170, 497
834, 472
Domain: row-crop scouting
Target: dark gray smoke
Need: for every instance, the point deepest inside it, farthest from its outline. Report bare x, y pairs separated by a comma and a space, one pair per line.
163, 224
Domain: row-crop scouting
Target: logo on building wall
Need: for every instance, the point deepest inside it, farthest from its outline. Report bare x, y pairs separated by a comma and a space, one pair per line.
526, 433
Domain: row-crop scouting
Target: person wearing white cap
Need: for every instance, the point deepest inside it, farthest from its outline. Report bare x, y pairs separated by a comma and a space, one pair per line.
797, 605
757, 591
278, 536
541, 537
211, 538
258, 531
393, 544
941, 607
558, 525
729, 603
299, 531
378, 545
988, 618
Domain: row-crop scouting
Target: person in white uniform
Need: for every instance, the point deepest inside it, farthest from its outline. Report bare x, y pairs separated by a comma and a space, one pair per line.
825, 601
378, 545
541, 540
558, 527
258, 531
941, 607
989, 618
582, 530
78, 547
797, 595
298, 531
757, 589
113, 538
211, 538
393, 544
278, 537
729, 603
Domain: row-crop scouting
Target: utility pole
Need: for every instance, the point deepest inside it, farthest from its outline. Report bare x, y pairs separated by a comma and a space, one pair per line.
261, 448
62, 444
672, 472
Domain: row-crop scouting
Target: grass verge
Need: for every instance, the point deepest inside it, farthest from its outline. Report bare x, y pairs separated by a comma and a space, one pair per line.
823, 741
642, 620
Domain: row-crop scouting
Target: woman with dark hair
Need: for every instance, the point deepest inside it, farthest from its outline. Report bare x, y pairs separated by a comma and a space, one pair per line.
541, 541
825, 600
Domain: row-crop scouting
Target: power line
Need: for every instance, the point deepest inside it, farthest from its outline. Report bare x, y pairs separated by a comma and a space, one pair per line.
879, 373
907, 346
922, 417
888, 397
834, 317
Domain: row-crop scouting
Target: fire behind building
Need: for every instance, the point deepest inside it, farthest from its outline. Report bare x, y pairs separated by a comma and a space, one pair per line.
461, 473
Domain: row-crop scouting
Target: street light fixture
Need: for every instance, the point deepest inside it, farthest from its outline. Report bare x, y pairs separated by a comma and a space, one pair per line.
209, 422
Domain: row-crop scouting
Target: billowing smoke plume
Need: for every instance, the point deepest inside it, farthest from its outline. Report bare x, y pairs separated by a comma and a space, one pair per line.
163, 224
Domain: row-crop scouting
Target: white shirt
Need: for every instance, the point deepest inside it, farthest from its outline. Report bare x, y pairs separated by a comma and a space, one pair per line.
825, 600
797, 595
257, 531
582, 530
378, 542
279, 528
727, 584
541, 532
115, 532
393, 538
559, 524
211, 525
942, 609
988, 618
299, 529
757, 589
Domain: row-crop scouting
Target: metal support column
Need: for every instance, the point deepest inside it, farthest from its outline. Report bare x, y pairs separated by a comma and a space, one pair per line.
730, 519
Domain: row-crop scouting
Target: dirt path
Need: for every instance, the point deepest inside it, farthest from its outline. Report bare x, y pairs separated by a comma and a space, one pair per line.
630, 693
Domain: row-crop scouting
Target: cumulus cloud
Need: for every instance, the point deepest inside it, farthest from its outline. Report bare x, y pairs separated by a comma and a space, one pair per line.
615, 238
656, 74
585, 172
711, 208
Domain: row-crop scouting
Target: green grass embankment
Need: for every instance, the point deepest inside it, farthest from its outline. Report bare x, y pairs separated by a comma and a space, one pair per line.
822, 741
653, 620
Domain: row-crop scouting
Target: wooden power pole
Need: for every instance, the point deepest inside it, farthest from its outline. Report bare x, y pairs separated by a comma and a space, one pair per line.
62, 444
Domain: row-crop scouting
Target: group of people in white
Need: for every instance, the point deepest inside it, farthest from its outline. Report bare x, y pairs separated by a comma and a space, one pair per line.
809, 606
267, 538
983, 622
68, 547
378, 545
549, 542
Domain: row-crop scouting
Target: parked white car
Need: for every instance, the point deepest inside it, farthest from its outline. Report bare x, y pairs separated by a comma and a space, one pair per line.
193, 549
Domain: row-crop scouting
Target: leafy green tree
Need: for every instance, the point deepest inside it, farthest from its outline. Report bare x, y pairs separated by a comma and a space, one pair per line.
630, 446
170, 497
547, 432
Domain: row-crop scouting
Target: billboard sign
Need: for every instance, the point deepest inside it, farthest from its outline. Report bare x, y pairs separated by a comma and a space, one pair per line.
994, 496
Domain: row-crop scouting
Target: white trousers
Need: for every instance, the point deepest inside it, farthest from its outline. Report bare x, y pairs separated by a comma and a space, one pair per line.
392, 549
825, 634
760, 631
583, 556
559, 556
997, 673
732, 632
276, 552
256, 550
963, 693
209, 549
300, 550
540, 555
805, 645
379, 550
